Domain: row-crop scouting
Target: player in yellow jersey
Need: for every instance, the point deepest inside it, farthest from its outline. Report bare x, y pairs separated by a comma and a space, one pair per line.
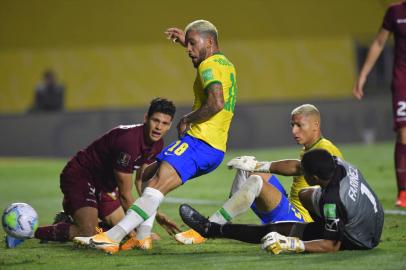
202, 134
262, 191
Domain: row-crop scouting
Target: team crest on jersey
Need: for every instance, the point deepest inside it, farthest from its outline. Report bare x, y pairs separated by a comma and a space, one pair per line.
207, 75
124, 159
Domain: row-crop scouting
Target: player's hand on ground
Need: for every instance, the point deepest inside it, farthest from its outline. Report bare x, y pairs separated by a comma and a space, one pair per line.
277, 243
176, 35
358, 90
170, 227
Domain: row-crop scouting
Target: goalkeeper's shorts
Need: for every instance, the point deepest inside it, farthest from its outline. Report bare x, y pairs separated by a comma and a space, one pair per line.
283, 212
191, 157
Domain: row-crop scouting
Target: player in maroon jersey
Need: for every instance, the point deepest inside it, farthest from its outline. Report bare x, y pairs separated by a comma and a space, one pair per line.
394, 22
97, 181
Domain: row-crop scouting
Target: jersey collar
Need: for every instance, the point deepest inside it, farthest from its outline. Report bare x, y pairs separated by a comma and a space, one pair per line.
311, 146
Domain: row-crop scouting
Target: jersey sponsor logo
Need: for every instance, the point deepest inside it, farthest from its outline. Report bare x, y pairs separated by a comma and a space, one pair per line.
399, 21
354, 183
124, 159
207, 75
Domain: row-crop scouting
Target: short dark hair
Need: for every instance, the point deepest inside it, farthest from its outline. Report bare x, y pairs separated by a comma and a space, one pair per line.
161, 105
318, 162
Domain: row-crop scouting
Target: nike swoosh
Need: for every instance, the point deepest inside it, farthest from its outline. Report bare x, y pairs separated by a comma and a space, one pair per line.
168, 154
100, 243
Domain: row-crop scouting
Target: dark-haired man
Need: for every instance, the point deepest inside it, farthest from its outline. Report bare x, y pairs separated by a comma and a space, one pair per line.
349, 214
393, 22
97, 181
202, 133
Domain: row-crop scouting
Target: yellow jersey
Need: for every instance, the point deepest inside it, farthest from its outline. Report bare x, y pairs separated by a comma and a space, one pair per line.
299, 182
215, 69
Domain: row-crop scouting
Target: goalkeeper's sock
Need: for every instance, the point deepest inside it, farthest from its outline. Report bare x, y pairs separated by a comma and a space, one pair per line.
240, 202
143, 208
145, 228
241, 232
56, 232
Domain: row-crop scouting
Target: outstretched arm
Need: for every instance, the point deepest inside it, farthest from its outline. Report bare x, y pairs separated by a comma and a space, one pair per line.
213, 105
322, 245
374, 51
287, 167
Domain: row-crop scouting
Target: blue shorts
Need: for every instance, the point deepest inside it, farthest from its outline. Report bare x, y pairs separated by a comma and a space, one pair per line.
191, 157
283, 212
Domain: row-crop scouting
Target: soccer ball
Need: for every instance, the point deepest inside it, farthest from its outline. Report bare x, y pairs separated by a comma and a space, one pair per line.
20, 220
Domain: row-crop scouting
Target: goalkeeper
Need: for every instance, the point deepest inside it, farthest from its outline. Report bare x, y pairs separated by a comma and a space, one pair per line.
263, 192
349, 215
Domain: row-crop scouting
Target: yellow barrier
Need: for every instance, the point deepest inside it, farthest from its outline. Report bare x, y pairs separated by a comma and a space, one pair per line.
115, 55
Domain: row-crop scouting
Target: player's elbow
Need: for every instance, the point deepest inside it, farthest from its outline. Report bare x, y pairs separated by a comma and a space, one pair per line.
332, 246
218, 105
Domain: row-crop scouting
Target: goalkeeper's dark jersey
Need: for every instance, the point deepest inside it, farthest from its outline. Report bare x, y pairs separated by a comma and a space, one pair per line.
352, 212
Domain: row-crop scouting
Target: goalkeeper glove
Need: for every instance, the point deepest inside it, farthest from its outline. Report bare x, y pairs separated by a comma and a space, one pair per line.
277, 243
249, 163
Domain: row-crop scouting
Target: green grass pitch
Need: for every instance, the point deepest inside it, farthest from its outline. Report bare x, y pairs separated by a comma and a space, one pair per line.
36, 181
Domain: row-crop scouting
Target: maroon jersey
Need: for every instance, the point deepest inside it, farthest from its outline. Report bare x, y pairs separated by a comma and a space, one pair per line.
395, 22
123, 149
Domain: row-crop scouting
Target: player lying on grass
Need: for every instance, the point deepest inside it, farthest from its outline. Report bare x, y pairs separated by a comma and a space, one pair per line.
264, 193
203, 133
97, 181
349, 215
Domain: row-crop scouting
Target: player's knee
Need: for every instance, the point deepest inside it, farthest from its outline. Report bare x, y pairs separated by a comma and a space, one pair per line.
255, 183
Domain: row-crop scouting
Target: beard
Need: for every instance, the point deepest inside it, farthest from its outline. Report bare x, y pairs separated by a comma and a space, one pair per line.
202, 57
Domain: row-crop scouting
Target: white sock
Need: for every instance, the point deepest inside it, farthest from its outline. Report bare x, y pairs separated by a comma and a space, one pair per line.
239, 180
140, 211
145, 228
116, 233
240, 202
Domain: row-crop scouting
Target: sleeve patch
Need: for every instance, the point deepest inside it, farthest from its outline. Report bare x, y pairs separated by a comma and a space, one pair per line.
331, 220
123, 159
207, 75
329, 210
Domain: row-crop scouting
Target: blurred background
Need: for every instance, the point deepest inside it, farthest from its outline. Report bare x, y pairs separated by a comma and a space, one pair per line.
105, 61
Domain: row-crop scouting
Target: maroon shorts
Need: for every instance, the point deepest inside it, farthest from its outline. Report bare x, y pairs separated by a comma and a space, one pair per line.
399, 107
79, 192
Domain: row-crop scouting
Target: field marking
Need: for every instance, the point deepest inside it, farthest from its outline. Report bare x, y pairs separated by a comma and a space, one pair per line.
176, 200
395, 212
